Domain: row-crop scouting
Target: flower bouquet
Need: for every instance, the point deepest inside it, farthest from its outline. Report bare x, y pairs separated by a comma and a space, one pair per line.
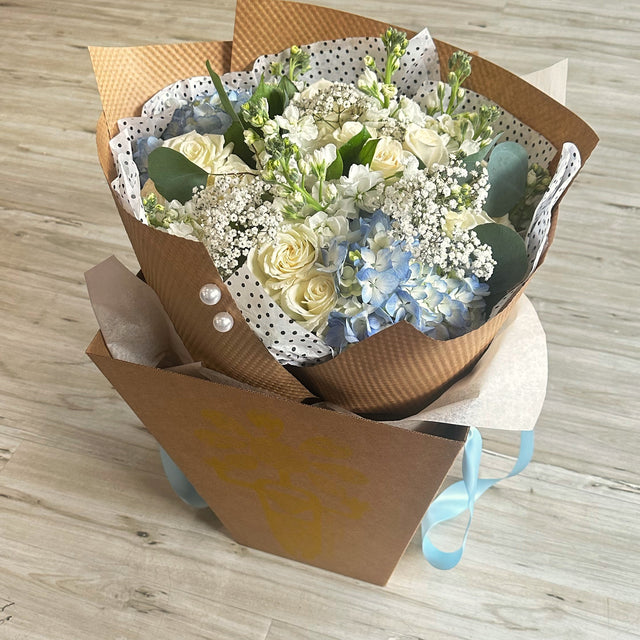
346, 222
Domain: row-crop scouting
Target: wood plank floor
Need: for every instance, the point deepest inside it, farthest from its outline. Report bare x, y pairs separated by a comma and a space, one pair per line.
94, 545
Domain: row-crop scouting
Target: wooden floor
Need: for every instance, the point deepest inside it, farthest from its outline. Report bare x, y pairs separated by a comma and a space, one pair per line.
94, 545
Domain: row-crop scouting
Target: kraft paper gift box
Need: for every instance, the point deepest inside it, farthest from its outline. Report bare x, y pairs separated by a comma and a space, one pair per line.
334, 490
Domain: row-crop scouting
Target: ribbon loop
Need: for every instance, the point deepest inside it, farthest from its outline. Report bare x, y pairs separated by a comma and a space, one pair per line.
462, 495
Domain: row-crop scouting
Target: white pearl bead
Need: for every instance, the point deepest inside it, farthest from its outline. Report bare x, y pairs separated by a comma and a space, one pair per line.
210, 294
223, 322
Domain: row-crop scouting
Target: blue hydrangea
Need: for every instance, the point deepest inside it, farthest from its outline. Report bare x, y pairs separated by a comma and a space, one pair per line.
381, 283
204, 115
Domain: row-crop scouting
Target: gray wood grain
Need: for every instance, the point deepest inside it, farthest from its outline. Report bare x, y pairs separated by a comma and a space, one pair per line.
93, 544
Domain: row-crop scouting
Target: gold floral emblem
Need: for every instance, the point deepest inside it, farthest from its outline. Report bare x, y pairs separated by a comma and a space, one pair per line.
303, 488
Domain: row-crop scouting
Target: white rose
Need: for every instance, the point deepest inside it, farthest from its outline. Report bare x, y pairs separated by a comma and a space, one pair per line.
310, 301
290, 257
313, 89
427, 145
465, 219
208, 151
388, 158
346, 132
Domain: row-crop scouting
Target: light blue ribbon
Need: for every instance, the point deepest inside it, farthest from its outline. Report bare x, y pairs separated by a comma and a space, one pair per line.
179, 483
462, 495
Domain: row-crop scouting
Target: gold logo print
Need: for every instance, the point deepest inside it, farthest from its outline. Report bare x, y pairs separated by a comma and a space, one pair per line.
303, 489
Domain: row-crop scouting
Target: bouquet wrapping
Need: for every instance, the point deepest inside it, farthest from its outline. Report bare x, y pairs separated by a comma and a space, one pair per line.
284, 476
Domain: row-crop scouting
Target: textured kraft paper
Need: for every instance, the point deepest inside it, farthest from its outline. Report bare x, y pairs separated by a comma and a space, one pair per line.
331, 490
364, 378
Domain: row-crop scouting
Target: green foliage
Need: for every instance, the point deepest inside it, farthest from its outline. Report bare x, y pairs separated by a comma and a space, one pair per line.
350, 151
368, 151
507, 168
174, 176
509, 251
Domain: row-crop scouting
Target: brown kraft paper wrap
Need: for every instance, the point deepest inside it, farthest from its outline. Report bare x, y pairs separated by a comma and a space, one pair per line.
329, 489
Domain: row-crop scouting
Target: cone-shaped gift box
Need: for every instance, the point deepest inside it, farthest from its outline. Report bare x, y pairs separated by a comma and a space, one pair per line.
340, 490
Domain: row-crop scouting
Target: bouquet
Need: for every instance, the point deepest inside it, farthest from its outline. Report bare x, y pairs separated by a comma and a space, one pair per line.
344, 193
348, 222
351, 206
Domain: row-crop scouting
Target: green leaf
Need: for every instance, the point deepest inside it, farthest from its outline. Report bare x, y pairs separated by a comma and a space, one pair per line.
277, 100
510, 253
235, 134
222, 94
508, 166
334, 171
173, 175
350, 150
275, 96
470, 161
368, 151
287, 87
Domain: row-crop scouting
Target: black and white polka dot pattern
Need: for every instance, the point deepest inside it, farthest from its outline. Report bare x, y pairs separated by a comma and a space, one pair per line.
127, 182
287, 341
538, 233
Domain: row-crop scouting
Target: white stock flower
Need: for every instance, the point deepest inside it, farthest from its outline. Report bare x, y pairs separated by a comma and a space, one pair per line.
368, 80
182, 230
289, 257
302, 130
328, 227
322, 158
427, 145
360, 180
310, 300
410, 111
208, 151
389, 157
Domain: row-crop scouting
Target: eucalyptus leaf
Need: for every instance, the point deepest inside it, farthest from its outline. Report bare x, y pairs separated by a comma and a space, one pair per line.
507, 167
350, 150
509, 252
470, 161
173, 175
368, 151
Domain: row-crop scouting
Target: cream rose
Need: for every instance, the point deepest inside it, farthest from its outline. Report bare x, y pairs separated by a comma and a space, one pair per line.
346, 132
313, 89
309, 301
208, 151
427, 145
388, 158
292, 255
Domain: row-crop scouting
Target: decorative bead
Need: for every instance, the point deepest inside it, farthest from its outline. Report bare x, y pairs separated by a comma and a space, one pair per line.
210, 294
223, 322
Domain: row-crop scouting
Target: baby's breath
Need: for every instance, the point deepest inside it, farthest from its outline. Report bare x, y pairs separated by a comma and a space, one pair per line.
418, 205
235, 214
